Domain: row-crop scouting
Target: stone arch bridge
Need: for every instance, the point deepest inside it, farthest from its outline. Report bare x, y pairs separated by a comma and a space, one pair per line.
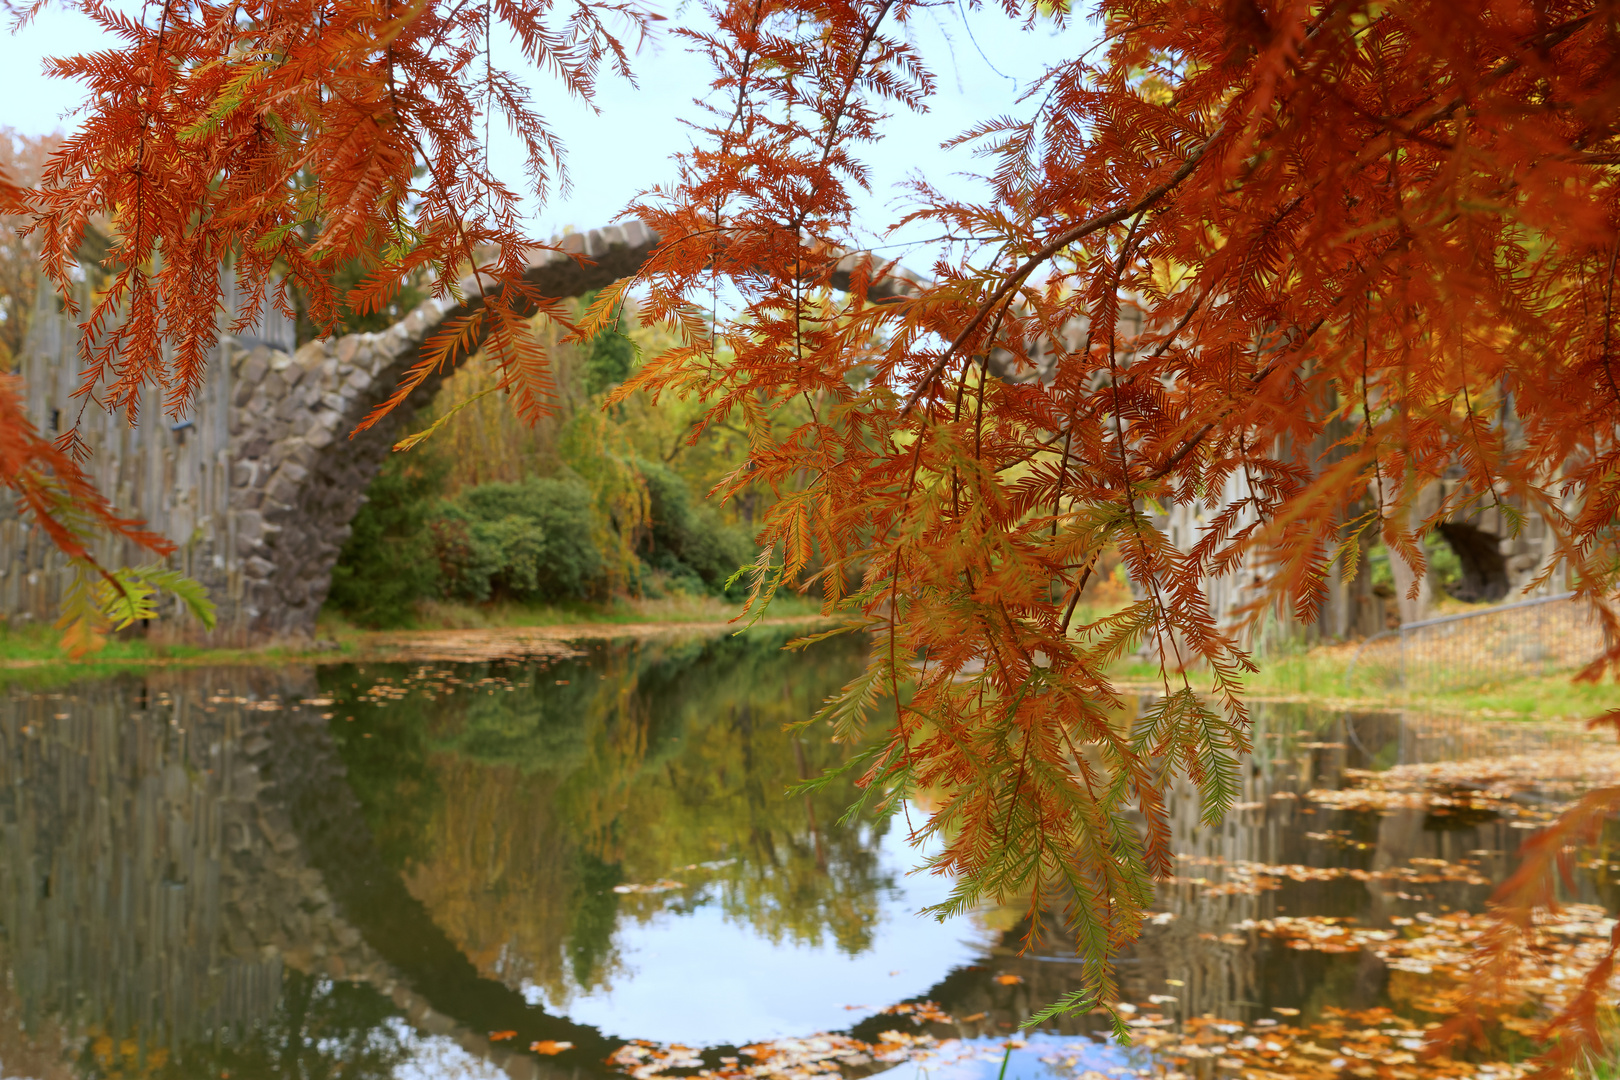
259, 485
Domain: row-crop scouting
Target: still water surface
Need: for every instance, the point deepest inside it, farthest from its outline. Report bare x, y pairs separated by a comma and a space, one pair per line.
418, 870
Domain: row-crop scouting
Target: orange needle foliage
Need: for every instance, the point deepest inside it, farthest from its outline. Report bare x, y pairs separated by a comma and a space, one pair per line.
1372, 245
52, 489
291, 138
294, 137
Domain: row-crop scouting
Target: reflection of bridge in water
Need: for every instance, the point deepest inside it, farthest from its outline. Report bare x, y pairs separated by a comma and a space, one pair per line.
1193, 958
181, 849
173, 844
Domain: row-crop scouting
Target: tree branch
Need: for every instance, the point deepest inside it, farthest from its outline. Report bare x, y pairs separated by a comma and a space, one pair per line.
1063, 240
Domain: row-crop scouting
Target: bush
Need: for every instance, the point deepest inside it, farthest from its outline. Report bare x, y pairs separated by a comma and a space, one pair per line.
609, 357
387, 563
608, 363
687, 540
528, 541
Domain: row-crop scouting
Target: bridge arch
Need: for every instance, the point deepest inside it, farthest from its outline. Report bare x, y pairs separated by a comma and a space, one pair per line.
260, 484
298, 480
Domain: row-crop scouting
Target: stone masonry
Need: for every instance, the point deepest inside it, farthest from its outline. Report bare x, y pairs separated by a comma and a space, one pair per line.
298, 479
259, 484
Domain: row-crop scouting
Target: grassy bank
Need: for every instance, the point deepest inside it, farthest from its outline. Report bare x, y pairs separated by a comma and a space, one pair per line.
1322, 675
33, 651
440, 615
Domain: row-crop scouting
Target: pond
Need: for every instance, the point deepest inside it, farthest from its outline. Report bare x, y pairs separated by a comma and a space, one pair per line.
592, 863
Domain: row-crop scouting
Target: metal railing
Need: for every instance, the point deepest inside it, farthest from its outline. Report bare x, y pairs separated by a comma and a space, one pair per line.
1457, 652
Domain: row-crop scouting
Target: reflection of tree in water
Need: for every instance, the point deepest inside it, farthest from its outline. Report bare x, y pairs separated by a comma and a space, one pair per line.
1194, 960
320, 1029
798, 875
513, 802
593, 915
1202, 957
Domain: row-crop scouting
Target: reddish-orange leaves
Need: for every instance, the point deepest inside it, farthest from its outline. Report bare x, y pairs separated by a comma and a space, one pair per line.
550, 1047
292, 139
52, 489
1300, 268
1546, 859
1312, 272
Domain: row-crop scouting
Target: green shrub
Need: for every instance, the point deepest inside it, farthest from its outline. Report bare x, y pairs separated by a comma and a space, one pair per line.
688, 540
530, 541
527, 541
1445, 568
1444, 571
609, 357
387, 563
609, 362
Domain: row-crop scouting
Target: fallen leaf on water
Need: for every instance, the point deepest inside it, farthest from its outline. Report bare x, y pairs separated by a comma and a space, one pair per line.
1383, 1045
1283, 1010
920, 1012
1009, 980
550, 1046
501, 1036
1241, 877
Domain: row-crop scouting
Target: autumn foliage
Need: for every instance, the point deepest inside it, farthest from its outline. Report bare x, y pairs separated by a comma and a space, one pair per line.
57, 495
295, 139
1371, 247
1293, 262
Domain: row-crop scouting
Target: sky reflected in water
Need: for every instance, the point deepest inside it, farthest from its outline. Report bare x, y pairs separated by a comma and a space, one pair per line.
700, 976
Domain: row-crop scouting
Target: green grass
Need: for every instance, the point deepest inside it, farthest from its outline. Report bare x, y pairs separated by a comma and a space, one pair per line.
1551, 697
31, 654
1320, 675
39, 643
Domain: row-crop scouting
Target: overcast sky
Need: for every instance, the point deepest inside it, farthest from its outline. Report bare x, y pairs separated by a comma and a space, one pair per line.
982, 60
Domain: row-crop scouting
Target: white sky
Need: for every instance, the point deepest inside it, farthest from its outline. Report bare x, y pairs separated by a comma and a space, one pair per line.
981, 58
